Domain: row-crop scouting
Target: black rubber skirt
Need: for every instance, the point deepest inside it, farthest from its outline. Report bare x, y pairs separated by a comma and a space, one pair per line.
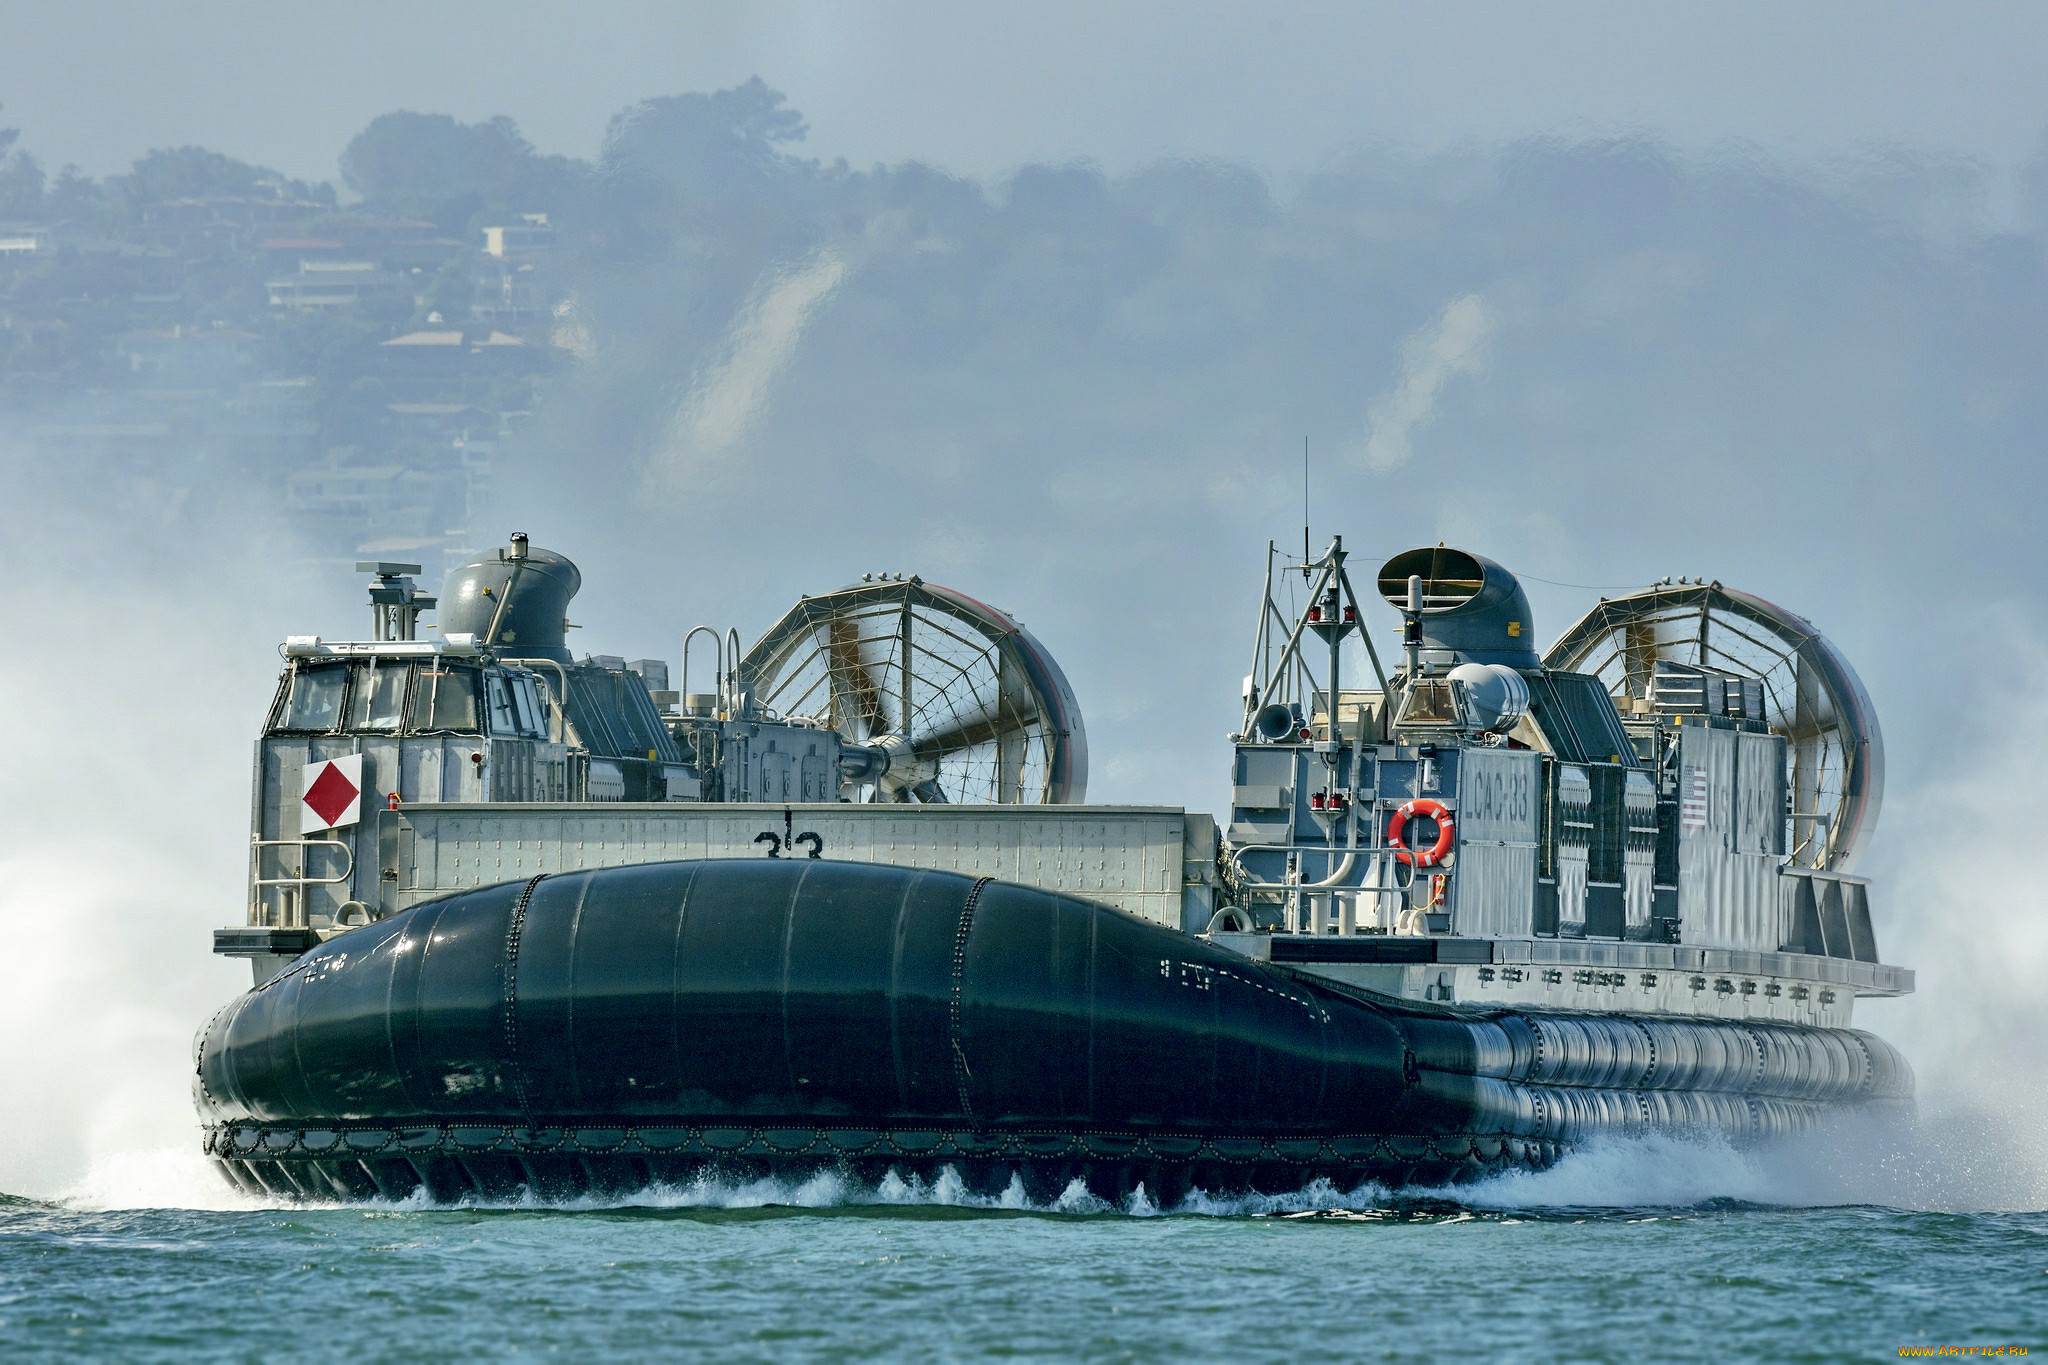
609, 1029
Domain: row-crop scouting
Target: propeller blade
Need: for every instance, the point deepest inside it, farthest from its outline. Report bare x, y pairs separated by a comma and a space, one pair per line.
965, 732
855, 692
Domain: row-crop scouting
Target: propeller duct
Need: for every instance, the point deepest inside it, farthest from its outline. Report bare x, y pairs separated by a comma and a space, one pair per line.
955, 700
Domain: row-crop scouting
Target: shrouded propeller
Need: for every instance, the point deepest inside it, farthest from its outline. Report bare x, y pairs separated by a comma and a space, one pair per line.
1834, 751
939, 697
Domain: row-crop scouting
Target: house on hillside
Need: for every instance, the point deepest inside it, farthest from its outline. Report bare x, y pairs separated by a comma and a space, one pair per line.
456, 365
530, 236
327, 284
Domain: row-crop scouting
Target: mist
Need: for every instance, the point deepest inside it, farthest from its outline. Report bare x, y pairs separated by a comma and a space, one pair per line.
1080, 394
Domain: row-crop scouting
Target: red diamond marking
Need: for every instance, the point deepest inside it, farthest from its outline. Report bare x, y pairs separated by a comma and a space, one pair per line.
330, 794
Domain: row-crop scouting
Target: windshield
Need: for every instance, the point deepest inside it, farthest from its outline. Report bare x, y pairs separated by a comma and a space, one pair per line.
1429, 703
379, 697
316, 697
445, 699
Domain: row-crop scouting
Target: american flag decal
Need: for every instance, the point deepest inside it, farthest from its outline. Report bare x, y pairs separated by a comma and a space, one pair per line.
1692, 810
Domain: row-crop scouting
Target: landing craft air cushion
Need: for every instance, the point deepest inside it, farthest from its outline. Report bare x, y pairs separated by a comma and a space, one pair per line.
521, 921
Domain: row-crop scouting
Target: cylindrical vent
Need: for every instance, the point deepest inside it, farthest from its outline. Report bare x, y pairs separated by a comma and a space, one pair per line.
1492, 697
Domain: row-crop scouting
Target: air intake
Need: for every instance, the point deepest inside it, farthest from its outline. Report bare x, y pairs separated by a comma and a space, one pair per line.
515, 601
1473, 610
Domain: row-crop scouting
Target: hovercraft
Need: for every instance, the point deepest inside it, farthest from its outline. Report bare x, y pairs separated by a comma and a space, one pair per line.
524, 922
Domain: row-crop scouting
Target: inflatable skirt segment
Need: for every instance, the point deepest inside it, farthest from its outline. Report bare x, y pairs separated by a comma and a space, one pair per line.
610, 1029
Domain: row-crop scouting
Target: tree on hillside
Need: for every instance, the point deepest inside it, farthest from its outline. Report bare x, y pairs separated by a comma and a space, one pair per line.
703, 138
450, 172
196, 173
74, 196
21, 178
448, 295
707, 169
410, 161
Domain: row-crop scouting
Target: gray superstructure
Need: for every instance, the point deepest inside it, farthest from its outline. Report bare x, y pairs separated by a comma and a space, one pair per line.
1624, 842
1628, 849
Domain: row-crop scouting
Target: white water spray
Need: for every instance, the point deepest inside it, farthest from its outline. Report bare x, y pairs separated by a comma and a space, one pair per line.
124, 801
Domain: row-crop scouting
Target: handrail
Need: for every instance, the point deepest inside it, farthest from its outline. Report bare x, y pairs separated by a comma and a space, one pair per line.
560, 729
1245, 882
1340, 870
717, 659
1343, 870
347, 871
730, 685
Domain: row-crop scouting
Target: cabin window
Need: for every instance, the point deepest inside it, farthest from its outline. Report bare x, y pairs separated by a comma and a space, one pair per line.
316, 697
504, 717
1429, 703
379, 696
445, 699
522, 710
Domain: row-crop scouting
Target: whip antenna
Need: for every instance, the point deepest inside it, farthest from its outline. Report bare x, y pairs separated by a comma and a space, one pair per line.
1304, 506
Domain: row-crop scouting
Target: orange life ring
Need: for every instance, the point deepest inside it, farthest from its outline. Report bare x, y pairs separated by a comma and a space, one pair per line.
1445, 829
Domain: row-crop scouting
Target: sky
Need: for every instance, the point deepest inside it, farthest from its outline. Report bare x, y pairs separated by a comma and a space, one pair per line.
984, 89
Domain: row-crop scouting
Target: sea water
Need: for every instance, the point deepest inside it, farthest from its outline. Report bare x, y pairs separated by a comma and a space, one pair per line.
1654, 1249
